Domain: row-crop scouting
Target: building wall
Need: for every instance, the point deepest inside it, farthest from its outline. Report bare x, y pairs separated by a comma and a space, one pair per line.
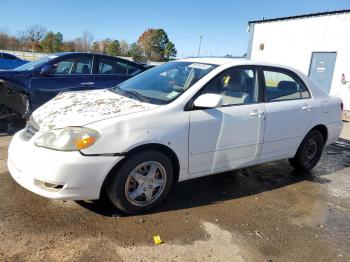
291, 42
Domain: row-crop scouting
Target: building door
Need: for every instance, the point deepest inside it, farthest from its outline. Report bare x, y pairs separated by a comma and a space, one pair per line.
322, 68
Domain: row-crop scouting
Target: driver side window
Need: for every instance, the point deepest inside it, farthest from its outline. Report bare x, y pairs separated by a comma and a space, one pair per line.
64, 67
237, 86
74, 66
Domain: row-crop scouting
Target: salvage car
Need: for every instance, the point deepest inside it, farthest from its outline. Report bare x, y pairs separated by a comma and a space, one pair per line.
8, 61
27, 87
181, 120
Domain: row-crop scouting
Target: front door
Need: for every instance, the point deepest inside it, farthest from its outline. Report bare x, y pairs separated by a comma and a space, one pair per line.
72, 74
230, 136
322, 68
289, 111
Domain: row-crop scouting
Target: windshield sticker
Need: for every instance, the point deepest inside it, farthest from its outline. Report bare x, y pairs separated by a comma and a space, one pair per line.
226, 80
200, 66
172, 95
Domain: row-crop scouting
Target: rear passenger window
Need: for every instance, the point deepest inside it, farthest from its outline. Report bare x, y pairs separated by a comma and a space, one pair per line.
282, 86
107, 66
83, 66
237, 86
132, 69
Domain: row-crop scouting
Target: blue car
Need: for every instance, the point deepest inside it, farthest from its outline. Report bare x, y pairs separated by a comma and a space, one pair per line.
8, 61
27, 87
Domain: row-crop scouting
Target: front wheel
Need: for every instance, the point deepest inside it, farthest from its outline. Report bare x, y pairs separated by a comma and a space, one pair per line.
141, 183
309, 152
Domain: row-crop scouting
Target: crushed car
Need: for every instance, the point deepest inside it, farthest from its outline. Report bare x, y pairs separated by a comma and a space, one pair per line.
29, 86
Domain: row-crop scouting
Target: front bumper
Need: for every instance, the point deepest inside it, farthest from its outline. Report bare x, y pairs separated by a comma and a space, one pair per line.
81, 177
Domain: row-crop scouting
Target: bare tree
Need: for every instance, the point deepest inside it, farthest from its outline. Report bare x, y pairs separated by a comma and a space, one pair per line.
34, 34
79, 44
4, 38
87, 40
124, 47
22, 39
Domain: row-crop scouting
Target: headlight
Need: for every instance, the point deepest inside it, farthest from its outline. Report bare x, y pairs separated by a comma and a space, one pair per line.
68, 139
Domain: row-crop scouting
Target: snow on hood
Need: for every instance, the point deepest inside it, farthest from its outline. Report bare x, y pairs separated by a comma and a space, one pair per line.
83, 107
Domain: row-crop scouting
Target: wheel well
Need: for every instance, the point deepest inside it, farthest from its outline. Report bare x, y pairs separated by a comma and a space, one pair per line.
323, 130
165, 150
158, 147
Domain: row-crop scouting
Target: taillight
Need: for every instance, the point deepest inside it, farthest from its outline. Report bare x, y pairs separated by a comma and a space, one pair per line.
342, 106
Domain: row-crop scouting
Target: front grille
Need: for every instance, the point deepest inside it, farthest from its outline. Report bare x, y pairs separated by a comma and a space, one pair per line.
29, 131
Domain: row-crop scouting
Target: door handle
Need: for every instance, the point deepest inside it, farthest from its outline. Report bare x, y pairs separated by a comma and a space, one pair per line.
306, 107
87, 83
256, 113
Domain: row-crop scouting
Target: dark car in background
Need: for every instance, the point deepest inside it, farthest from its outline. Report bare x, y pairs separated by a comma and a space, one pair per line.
27, 87
8, 61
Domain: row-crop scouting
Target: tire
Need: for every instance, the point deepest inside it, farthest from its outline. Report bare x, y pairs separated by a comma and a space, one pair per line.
141, 183
309, 152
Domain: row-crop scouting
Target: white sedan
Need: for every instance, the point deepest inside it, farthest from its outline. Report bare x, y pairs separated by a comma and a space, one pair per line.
178, 121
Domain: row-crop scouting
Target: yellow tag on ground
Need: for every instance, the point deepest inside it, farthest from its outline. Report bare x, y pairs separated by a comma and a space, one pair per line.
157, 240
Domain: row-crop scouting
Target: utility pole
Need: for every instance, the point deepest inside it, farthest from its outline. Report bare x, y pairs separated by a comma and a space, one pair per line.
200, 43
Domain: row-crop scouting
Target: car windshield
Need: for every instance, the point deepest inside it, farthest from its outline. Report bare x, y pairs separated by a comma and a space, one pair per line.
163, 84
35, 64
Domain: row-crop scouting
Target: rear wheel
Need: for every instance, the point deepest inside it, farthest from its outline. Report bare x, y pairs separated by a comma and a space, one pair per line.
141, 183
309, 152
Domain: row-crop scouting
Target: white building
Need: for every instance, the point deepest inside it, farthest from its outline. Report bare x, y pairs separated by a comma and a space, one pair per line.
316, 44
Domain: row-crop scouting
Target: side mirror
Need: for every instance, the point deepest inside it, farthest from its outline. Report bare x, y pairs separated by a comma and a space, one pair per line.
208, 101
47, 70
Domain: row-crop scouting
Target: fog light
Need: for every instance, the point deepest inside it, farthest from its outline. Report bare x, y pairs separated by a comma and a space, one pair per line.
48, 186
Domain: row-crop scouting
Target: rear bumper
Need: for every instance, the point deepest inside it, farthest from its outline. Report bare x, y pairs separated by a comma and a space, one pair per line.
334, 131
80, 177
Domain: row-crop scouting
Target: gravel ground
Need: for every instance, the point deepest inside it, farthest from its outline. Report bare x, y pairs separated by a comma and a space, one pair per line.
267, 212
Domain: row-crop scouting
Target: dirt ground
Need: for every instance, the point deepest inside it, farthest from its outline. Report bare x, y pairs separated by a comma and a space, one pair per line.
264, 213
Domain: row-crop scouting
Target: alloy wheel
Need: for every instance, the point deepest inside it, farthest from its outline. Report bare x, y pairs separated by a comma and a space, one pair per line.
145, 183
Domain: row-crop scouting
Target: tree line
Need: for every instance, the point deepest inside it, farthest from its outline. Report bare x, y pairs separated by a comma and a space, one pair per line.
152, 45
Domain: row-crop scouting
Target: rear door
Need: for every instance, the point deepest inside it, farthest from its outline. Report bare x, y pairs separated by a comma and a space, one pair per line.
110, 71
73, 73
289, 111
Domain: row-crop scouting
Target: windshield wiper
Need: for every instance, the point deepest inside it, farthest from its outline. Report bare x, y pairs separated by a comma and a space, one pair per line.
138, 95
133, 93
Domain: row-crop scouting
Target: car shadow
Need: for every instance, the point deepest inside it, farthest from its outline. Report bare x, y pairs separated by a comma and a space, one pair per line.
10, 126
239, 183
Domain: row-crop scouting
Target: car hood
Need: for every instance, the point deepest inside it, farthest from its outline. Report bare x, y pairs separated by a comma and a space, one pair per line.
83, 107
6, 74
14, 75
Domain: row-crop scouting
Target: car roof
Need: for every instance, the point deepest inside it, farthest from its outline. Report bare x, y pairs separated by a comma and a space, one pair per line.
83, 53
91, 54
7, 54
212, 60
232, 61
